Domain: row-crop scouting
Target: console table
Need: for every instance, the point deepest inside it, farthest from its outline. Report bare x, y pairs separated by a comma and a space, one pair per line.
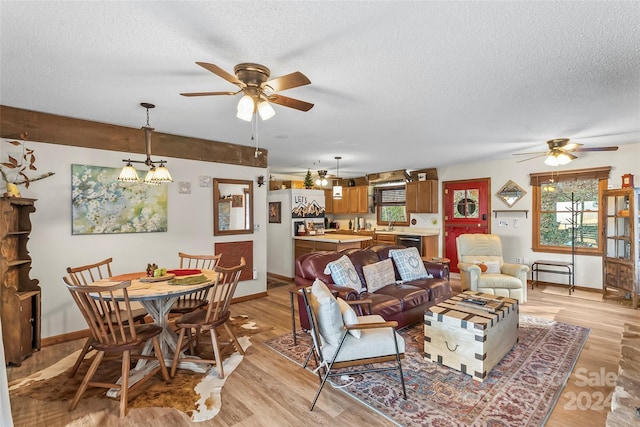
555, 267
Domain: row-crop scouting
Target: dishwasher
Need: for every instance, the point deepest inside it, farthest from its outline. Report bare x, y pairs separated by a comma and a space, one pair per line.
410, 241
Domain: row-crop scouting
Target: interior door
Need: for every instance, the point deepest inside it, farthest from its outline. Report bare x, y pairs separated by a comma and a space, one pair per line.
466, 211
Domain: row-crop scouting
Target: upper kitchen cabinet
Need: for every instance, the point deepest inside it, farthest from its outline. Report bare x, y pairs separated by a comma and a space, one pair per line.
354, 200
422, 196
358, 202
328, 201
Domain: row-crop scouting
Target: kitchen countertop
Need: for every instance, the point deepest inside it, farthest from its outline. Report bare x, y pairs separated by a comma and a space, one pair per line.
408, 231
334, 238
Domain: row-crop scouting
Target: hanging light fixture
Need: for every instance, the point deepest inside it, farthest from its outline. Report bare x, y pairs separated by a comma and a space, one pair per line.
321, 181
337, 189
157, 174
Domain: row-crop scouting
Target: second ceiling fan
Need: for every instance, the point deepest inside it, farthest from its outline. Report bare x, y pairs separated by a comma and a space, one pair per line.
259, 91
560, 151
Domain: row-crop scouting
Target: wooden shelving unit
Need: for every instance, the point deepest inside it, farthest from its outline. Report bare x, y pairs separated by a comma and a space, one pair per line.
19, 294
622, 237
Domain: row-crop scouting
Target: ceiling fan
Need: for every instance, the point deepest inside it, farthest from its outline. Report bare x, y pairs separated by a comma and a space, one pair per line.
560, 150
259, 91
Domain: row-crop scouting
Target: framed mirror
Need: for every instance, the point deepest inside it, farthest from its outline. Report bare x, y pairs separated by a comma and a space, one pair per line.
232, 206
510, 193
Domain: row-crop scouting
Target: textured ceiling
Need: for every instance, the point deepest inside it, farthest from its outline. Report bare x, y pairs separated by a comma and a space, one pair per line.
395, 84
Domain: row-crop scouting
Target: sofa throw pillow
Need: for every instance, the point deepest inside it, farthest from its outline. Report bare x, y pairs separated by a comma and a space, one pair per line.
344, 273
349, 317
327, 312
489, 267
482, 265
379, 275
409, 263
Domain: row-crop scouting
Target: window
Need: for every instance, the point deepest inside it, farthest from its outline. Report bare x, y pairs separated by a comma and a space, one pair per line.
566, 210
391, 205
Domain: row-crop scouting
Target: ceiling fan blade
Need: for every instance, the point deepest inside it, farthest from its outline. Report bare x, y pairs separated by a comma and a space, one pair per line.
288, 81
596, 149
290, 102
529, 154
221, 73
531, 158
208, 93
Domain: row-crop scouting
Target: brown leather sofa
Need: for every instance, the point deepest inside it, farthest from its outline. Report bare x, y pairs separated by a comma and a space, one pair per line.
404, 303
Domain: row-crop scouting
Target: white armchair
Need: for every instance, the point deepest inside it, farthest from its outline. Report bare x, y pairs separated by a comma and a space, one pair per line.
502, 279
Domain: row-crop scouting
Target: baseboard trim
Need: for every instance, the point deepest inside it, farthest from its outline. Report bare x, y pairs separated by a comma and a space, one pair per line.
279, 277
69, 336
85, 333
564, 285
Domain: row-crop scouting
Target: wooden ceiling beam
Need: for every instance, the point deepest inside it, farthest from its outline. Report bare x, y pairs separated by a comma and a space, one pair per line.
54, 129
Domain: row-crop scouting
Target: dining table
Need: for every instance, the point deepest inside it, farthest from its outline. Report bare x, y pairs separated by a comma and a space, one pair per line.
157, 295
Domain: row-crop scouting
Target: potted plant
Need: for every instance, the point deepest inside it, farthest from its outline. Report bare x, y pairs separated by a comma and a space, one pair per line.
17, 168
308, 180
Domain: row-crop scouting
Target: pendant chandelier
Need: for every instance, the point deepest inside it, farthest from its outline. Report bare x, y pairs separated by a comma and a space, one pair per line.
337, 189
158, 172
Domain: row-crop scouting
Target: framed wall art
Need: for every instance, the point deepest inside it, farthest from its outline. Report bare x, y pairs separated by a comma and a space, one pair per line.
100, 204
275, 212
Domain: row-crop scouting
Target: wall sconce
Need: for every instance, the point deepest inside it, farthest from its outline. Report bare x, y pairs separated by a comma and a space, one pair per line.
260, 180
157, 174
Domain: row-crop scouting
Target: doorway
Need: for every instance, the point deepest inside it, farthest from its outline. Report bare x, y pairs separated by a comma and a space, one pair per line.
466, 211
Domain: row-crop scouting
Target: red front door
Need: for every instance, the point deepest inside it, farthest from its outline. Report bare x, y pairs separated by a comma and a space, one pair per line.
466, 211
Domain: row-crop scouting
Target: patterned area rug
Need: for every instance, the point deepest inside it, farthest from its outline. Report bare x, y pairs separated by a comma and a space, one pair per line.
521, 390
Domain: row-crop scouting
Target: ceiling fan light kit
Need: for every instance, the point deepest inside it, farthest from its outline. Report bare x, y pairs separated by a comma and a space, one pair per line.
322, 180
560, 149
156, 174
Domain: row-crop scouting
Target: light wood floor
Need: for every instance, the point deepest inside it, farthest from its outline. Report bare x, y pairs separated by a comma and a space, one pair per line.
268, 390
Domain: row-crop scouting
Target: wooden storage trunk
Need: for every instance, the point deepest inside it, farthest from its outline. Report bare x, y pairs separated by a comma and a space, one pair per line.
469, 339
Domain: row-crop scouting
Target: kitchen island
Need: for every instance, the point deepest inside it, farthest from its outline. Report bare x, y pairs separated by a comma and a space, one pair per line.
333, 242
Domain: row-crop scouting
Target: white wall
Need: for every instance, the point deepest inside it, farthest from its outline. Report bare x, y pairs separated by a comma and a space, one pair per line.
517, 241
190, 227
280, 237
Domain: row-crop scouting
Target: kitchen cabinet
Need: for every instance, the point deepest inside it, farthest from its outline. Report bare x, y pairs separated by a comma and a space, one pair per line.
305, 245
328, 201
358, 202
277, 185
422, 196
354, 201
20, 295
429, 243
622, 237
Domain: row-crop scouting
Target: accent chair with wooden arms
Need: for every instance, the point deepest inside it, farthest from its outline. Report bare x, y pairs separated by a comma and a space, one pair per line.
114, 332
85, 275
196, 300
341, 339
215, 316
478, 252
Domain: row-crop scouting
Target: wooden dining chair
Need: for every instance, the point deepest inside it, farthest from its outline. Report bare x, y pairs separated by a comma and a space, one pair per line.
85, 275
113, 333
190, 302
216, 316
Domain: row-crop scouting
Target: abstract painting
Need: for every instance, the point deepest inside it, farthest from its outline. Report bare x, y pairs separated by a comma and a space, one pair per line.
100, 204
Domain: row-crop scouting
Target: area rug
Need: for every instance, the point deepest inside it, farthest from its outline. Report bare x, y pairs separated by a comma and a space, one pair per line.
195, 394
521, 390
